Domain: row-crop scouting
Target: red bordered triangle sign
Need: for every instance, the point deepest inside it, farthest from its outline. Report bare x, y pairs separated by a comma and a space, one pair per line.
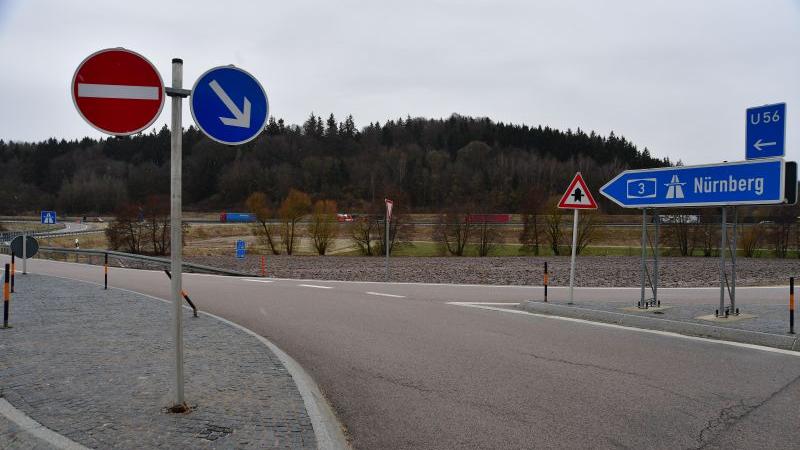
577, 195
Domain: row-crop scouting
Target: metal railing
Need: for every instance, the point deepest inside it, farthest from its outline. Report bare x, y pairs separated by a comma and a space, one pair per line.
131, 256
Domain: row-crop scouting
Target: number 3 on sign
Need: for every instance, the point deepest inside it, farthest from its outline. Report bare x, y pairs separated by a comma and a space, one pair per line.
765, 116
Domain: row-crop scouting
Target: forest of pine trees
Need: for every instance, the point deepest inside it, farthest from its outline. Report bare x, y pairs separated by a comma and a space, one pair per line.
430, 165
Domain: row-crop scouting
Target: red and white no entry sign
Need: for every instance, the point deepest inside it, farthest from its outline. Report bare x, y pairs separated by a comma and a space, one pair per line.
118, 91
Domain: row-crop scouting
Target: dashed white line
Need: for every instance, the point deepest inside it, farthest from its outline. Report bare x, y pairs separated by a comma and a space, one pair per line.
316, 286
385, 295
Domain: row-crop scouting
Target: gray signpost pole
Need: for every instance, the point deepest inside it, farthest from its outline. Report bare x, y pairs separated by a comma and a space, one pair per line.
387, 243
176, 238
572, 260
24, 253
656, 219
644, 257
733, 262
722, 264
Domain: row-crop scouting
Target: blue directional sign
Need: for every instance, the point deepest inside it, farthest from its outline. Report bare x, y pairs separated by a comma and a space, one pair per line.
229, 105
737, 183
240, 249
766, 131
49, 217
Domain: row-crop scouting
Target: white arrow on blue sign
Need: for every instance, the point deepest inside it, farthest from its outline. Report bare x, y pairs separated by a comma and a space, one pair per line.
737, 183
229, 105
765, 131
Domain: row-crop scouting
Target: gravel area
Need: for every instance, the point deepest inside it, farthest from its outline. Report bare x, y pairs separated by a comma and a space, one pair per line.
610, 271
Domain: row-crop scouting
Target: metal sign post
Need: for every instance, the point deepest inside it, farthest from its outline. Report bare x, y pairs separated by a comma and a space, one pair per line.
576, 197
572, 259
176, 231
389, 205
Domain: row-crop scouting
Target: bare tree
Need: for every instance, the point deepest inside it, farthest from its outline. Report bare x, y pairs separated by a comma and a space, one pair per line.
586, 232
364, 231
553, 231
453, 231
680, 230
296, 205
156, 214
531, 231
486, 236
750, 238
258, 205
323, 225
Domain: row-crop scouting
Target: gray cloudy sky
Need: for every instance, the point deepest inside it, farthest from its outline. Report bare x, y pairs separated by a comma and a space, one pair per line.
674, 76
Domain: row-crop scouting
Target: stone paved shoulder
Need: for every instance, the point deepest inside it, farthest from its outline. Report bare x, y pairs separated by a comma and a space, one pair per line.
95, 367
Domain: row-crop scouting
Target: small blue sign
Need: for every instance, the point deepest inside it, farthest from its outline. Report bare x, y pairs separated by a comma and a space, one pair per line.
49, 217
738, 183
240, 249
229, 105
766, 131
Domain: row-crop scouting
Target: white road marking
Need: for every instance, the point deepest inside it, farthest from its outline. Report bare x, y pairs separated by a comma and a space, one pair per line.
481, 305
117, 91
36, 429
385, 295
259, 281
315, 286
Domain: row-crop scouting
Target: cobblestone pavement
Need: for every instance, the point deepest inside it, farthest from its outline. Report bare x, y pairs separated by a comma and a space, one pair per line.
95, 367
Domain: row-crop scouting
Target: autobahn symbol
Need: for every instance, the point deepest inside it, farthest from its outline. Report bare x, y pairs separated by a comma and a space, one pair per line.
761, 181
765, 131
577, 195
49, 217
118, 91
229, 105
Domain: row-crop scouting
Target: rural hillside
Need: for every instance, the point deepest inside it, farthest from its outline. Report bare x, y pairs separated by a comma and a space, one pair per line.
424, 163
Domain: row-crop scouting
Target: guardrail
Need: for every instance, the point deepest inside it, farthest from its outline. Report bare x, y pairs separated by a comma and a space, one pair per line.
131, 256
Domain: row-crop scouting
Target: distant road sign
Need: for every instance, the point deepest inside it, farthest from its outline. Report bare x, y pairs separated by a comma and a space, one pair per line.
766, 131
577, 195
49, 217
241, 249
737, 183
31, 244
229, 105
118, 91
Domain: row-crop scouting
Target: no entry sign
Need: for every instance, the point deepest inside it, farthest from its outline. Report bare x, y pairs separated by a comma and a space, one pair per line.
118, 91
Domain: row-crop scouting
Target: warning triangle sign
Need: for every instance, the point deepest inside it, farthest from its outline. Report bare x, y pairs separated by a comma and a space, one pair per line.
577, 195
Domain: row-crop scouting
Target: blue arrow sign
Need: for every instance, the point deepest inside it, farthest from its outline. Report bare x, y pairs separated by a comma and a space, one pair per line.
240, 249
738, 183
766, 131
229, 105
49, 217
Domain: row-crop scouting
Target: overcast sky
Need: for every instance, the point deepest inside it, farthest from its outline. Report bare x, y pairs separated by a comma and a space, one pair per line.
673, 76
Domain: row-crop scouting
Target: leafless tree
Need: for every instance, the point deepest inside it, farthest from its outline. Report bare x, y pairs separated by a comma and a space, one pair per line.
323, 225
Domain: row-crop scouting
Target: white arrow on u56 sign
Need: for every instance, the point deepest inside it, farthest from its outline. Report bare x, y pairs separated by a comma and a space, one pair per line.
758, 144
240, 118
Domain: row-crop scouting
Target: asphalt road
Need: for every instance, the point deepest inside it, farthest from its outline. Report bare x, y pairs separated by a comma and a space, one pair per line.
405, 369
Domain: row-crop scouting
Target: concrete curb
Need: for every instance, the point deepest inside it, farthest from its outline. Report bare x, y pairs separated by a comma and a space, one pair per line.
327, 428
674, 326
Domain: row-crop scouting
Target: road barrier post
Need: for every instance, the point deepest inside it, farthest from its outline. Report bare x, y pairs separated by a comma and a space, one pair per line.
6, 296
545, 281
184, 295
791, 305
105, 272
13, 268
24, 253
263, 266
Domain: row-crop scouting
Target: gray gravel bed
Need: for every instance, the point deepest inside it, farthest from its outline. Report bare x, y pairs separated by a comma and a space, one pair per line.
605, 271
